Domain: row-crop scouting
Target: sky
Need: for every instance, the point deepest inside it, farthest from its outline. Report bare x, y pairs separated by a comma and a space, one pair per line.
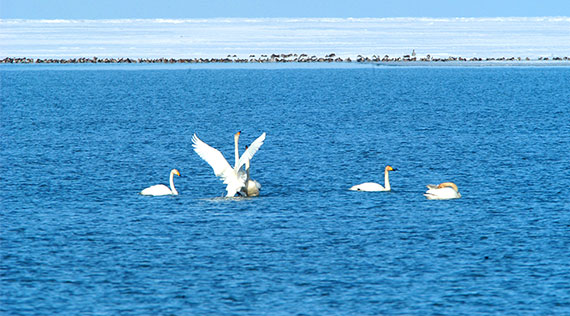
198, 9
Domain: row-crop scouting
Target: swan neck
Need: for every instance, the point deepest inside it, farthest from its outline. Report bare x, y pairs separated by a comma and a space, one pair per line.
247, 168
386, 180
236, 142
450, 185
172, 188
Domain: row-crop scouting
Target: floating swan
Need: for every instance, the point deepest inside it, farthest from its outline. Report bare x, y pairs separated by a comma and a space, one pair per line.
252, 187
375, 187
442, 191
234, 178
161, 189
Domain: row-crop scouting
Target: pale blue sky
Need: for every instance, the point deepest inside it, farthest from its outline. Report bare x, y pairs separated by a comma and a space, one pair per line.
179, 9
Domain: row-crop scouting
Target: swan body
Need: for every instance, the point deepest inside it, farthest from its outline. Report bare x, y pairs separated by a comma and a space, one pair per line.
161, 189
368, 187
234, 178
252, 188
375, 187
442, 191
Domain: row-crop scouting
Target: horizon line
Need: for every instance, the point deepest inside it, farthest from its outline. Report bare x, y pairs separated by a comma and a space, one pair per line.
332, 19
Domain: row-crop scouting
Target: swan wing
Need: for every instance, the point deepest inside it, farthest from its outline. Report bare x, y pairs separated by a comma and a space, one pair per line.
211, 155
222, 169
251, 150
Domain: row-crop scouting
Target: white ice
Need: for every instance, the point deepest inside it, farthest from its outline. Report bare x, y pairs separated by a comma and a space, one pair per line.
440, 37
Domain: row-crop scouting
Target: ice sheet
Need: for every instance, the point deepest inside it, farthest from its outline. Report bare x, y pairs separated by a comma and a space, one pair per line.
347, 37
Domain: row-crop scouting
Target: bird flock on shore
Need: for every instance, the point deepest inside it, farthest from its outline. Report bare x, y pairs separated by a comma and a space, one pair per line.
272, 58
238, 179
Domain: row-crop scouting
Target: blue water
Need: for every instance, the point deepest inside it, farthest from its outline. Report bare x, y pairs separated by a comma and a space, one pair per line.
79, 143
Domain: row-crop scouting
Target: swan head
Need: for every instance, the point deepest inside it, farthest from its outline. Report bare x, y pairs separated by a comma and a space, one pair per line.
176, 172
236, 135
390, 168
449, 185
247, 160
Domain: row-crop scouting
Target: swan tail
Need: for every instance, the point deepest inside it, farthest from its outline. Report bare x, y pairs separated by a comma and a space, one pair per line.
433, 193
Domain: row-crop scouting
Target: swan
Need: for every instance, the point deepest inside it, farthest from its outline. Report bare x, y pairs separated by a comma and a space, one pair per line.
161, 189
234, 178
251, 187
375, 187
442, 191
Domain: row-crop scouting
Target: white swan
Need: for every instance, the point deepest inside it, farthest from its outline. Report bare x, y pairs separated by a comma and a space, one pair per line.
375, 187
251, 187
234, 178
442, 191
161, 189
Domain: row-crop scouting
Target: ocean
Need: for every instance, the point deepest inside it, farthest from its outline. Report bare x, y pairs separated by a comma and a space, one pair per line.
79, 142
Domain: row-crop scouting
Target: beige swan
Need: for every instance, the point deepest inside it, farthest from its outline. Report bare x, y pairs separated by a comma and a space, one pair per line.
442, 191
375, 187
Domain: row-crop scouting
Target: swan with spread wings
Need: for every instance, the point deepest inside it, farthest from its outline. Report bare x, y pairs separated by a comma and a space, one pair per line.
234, 178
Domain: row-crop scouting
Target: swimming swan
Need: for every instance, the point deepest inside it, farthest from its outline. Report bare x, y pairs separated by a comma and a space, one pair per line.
442, 191
161, 189
234, 178
252, 187
375, 187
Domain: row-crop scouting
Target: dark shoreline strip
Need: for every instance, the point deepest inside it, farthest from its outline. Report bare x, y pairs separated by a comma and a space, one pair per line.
282, 58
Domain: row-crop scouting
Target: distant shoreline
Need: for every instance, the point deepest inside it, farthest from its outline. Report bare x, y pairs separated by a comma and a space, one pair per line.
273, 58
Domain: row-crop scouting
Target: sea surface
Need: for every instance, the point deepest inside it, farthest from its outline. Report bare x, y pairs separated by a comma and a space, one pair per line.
495, 37
78, 144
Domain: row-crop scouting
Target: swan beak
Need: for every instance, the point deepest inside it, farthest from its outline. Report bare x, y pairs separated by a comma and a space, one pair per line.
394, 169
177, 173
